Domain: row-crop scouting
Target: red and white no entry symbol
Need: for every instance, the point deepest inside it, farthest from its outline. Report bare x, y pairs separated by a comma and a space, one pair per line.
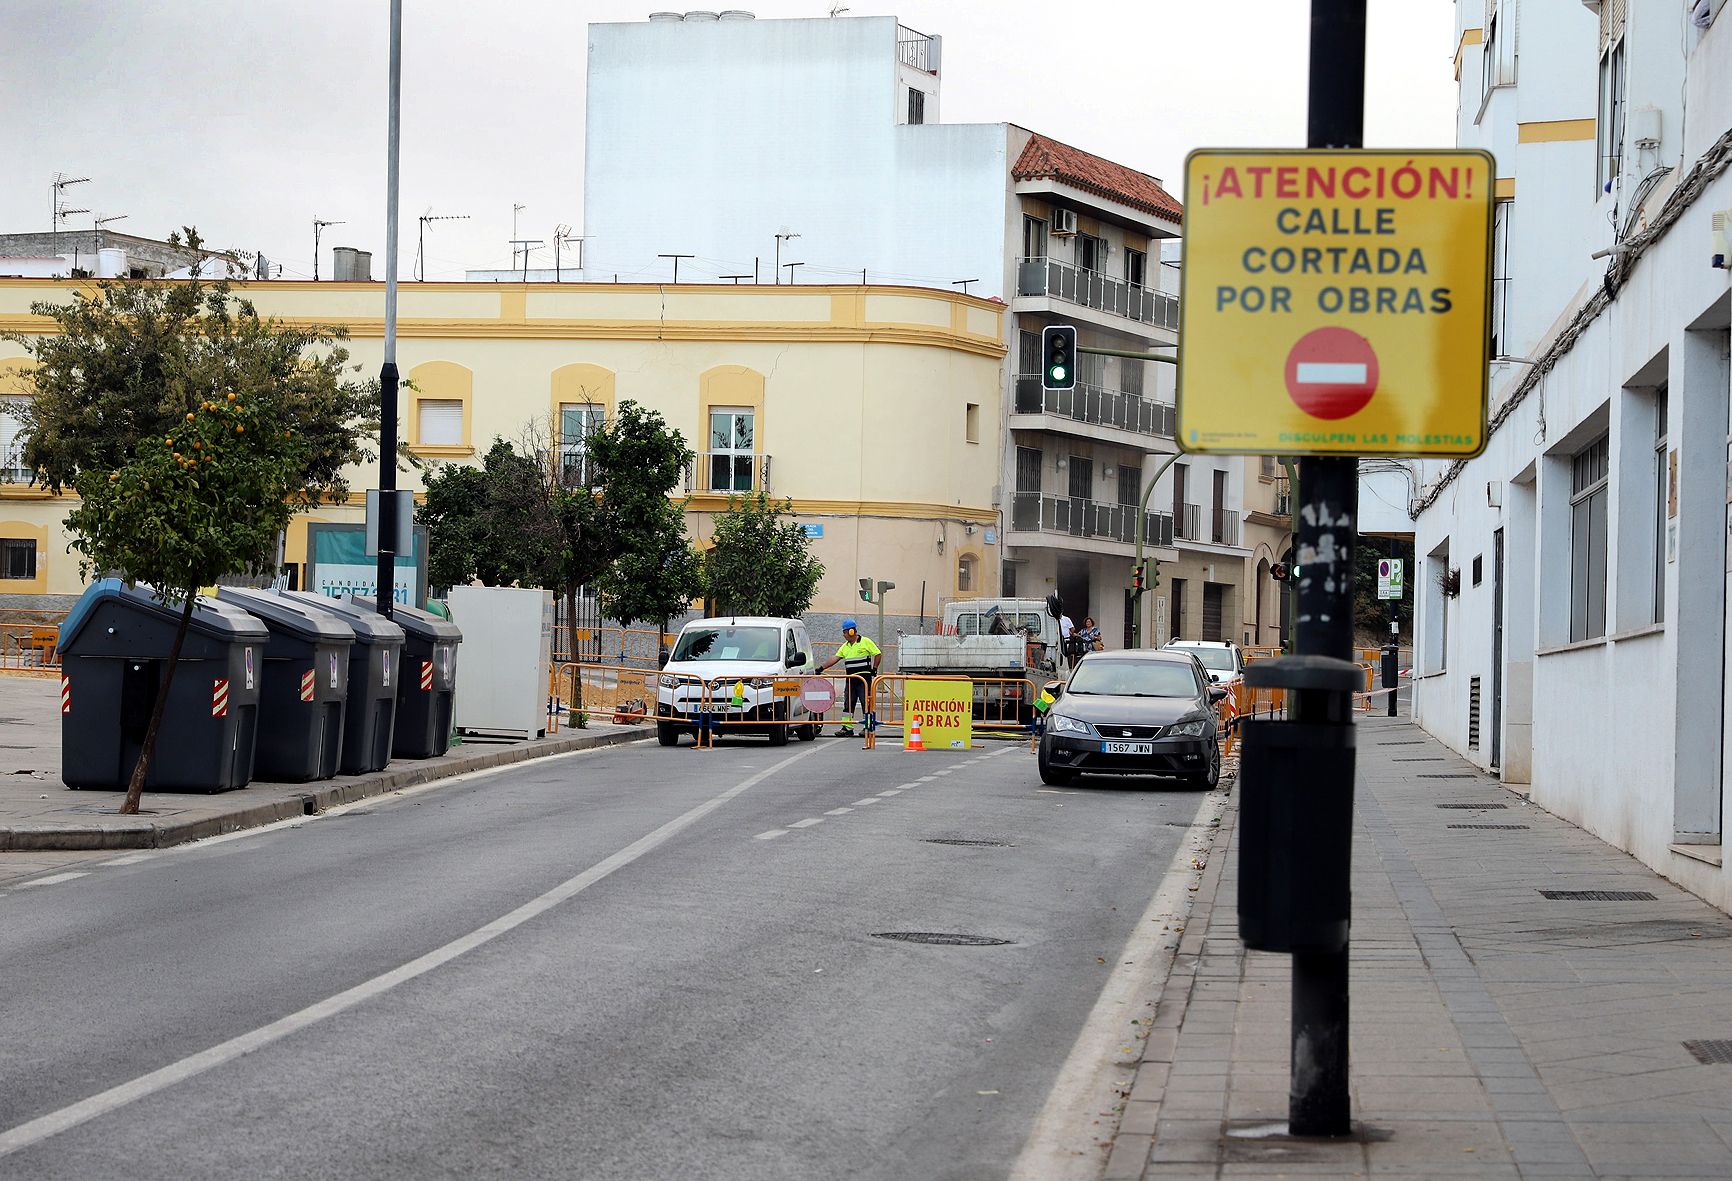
1383, 567
818, 696
1331, 373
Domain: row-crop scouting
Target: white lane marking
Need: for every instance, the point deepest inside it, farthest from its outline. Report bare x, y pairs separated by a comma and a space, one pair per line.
1062, 1146
838, 811
53, 879
907, 786
808, 822
895, 791
867, 800
43, 1127
1329, 373
771, 835
129, 859
927, 778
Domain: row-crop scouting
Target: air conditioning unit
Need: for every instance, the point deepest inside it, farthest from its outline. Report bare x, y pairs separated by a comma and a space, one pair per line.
1063, 222
1722, 244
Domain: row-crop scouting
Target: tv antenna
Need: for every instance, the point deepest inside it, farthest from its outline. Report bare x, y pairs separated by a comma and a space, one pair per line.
318, 228
528, 244
561, 235
421, 243
62, 182
676, 258
102, 221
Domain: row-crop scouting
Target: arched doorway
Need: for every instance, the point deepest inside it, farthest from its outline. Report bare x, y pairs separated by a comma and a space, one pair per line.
1262, 580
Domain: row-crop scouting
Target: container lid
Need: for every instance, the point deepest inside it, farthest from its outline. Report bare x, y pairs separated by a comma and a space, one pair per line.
422, 624
285, 615
368, 625
210, 617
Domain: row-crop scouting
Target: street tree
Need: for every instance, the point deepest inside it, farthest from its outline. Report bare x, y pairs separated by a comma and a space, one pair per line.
192, 430
652, 572
761, 562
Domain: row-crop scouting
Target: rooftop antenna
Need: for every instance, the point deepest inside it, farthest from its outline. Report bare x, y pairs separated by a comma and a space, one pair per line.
561, 235
838, 9
528, 244
102, 221
676, 258
515, 210
780, 238
737, 278
962, 283
789, 267
62, 182
421, 242
318, 228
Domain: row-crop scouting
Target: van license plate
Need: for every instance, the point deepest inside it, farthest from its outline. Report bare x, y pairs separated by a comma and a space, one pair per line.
1127, 748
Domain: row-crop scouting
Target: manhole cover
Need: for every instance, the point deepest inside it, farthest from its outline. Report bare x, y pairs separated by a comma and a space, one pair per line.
1500, 827
1599, 895
968, 844
1446, 775
1712, 1052
1472, 806
941, 938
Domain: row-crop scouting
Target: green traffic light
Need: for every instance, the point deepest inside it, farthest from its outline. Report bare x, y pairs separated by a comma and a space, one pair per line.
1058, 372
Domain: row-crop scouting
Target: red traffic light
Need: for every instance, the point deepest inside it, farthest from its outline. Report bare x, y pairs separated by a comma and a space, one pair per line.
1278, 572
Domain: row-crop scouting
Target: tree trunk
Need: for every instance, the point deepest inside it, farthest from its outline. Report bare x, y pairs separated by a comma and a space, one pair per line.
135, 789
571, 647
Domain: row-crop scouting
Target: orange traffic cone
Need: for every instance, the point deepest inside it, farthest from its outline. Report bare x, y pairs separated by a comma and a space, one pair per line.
912, 742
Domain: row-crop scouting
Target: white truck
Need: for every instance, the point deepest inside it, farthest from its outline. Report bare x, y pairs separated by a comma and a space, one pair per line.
999, 642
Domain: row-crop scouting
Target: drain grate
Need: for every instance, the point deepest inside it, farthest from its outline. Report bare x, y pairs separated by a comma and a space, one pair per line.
969, 844
941, 938
1499, 827
1446, 775
1711, 1052
1418, 759
1404, 742
1475, 807
1599, 895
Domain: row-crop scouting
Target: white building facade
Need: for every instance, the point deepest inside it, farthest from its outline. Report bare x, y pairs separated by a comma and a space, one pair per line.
748, 145
1572, 604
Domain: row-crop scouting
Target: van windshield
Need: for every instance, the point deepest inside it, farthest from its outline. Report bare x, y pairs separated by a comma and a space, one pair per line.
723, 642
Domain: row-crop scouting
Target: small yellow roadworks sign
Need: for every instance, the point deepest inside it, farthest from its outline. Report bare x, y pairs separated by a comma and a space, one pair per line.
1335, 302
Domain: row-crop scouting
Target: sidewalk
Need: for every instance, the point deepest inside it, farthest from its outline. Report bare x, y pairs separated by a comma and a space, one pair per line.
1495, 1032
38, 812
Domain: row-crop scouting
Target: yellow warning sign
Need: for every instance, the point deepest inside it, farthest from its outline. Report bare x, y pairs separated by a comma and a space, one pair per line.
944, 711
1335, 302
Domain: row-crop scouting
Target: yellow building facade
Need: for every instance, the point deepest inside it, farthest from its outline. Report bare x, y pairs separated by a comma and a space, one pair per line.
875, 410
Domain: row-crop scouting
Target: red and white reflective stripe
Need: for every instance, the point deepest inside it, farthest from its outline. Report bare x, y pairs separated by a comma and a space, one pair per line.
427, 674
65, 694
307, 685
219, 698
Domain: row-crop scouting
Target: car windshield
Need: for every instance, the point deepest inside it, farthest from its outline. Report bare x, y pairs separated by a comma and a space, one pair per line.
1134, 678
1219, 659
729, 643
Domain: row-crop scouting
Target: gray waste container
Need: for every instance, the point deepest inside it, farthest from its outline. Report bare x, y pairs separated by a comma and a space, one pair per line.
375, 664
114, 650
306, 681
428, 683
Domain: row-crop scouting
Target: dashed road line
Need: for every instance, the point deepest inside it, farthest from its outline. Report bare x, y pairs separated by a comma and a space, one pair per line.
895, 791
838, 811
53, 879
867, 800
808, 822
771, 835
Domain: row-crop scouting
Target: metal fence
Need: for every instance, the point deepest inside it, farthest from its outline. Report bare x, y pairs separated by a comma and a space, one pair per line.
1095, 405
1087, 518
1091, 289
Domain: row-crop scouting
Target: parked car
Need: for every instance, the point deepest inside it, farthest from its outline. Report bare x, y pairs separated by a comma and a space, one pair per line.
712, 656
1223, 659
1138, 712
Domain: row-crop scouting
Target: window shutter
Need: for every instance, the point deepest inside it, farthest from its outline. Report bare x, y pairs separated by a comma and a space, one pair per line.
441, 422
11, 441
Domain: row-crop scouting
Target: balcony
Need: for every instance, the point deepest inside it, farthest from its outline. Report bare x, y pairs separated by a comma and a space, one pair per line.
1091, 289
1188, 526
1031, 512
729, 472
1220, 527
915, 50
1095, 406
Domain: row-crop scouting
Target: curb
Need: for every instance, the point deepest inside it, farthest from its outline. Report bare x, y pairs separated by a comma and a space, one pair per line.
144, 833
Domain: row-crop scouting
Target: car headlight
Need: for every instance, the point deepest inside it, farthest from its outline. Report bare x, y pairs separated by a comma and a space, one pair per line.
1064, 725
667, 681
1194, 729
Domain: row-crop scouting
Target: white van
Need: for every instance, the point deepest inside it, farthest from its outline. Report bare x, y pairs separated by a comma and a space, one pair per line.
713, 655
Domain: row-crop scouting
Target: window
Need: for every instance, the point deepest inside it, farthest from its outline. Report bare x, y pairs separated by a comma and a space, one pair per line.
731, 456
1130, 376
1218, 514
1008, 590
1179, 473
1498, 54
965, 573
12, 470
1091, 252
1028, 460
1478, 568
1130, 484
1033, 237
1662, 502
577, 422
971, 422
17, 558
1609, 127
1500, 226
916, 105
1589, 472
1082, 478
439, 422
1137, 267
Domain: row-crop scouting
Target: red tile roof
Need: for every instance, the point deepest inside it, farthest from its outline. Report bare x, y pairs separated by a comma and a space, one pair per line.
1047, 159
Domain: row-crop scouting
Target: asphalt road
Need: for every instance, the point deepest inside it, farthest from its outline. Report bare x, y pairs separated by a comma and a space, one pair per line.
632, 963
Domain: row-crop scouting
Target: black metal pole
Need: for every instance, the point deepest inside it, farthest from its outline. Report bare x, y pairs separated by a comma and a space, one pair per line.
1326, 511
387, 569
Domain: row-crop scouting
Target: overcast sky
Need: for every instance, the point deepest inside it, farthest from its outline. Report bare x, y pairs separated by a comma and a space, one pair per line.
250, 118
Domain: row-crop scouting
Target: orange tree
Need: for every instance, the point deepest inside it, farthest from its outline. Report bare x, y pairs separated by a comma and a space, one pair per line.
192, 430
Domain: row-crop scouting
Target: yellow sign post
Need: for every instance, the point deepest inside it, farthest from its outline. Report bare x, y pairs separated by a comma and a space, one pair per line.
941, 712
1335, 303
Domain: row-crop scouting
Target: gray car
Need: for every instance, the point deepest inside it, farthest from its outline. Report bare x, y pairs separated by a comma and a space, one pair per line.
1141, 712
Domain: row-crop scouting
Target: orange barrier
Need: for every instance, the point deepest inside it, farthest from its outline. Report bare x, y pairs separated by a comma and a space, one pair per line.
1003, 706
32, 648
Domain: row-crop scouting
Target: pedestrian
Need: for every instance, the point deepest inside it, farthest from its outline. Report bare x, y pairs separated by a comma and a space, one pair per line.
1091, 635
1067, 639
860, 658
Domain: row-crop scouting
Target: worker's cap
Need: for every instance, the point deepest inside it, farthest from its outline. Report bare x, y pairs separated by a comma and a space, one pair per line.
848, 625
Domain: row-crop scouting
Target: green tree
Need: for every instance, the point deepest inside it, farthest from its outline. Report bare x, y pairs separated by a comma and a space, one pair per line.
761, 562
1371, 614
192, 430
651, 571
497, 523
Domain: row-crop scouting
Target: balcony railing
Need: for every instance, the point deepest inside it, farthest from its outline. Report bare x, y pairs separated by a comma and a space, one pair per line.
914, 52
1091, 289
1224, 529
1221, 527
1189, 525
729, 471
1031, 512
1096, 406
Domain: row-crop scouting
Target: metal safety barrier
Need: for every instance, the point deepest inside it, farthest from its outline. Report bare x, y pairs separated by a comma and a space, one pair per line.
1000, 706
29, 648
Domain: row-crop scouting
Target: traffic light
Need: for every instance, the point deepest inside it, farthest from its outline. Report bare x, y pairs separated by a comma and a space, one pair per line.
1278, 572
866, 589
1058, 350
1137, 577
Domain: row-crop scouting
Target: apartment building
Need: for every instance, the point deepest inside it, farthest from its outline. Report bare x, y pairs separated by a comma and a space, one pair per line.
794, 151
1572, 590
